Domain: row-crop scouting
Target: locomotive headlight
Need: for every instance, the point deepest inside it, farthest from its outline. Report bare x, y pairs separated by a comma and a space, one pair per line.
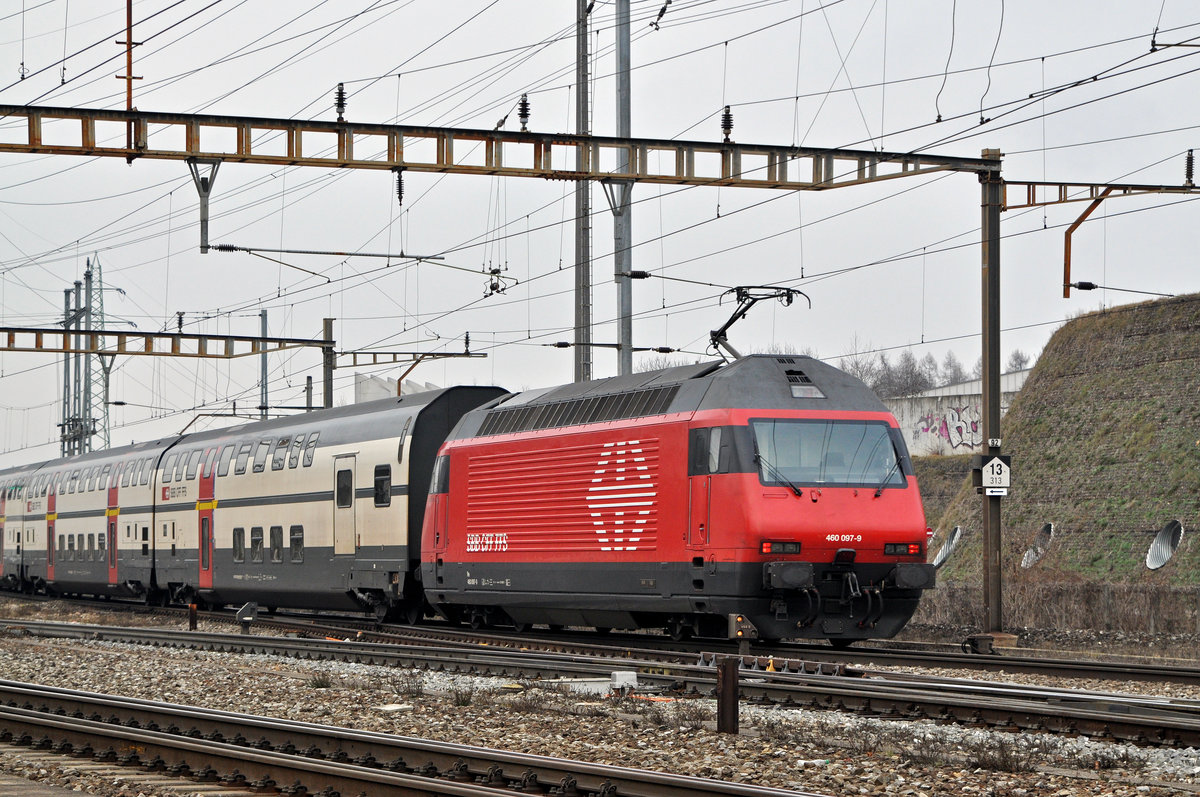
902, 549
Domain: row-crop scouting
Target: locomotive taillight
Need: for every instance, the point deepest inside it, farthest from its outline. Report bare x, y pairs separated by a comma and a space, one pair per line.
902, 549
776, 546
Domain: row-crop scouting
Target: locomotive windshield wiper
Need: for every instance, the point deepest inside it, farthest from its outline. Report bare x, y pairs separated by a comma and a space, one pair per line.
779, 477
887, 478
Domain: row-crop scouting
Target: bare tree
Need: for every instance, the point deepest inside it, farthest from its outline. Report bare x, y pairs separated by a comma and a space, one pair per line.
952, 370
1017, 361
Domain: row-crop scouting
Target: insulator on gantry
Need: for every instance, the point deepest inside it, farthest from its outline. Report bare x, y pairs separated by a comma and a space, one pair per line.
727, 122
1188, 168
523, 112
339, 101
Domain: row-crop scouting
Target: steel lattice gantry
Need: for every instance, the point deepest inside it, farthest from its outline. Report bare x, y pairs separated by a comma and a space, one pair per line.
292, 142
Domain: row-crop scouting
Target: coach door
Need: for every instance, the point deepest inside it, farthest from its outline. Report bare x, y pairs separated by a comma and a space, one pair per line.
51, 521
343, 504
110, 516
206, 504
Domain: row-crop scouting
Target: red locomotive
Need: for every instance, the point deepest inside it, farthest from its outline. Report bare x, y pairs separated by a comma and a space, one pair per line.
773, 496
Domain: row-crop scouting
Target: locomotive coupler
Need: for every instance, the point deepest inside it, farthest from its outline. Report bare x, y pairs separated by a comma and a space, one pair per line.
850, 589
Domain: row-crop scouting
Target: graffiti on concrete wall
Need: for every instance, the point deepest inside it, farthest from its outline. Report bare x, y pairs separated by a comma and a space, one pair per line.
958, 426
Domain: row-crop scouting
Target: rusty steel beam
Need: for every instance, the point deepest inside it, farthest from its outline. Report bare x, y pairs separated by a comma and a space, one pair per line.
143, 344
1038, 194
172, 136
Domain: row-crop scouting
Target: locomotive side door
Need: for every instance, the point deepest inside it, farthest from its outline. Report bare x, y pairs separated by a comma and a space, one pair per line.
704, 446
205, 504
343, 504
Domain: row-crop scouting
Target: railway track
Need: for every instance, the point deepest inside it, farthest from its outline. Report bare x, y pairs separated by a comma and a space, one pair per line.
1100, 715
298, 758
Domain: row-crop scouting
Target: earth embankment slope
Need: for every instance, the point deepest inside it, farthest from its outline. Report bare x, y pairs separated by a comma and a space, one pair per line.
1105, 441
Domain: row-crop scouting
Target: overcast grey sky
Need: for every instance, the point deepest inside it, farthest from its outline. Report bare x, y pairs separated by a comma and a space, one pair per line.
1069, 90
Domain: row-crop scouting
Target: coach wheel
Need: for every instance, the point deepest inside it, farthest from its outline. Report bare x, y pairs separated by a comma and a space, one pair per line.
414, 613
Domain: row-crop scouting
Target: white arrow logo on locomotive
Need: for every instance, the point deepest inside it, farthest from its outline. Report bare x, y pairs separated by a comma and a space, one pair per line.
621, 485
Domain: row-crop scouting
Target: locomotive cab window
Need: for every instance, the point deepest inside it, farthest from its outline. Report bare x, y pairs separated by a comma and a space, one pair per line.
439, 482
383, 485
824, 452
345, 488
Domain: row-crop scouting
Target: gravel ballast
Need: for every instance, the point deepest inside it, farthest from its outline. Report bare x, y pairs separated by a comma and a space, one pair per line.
817, 751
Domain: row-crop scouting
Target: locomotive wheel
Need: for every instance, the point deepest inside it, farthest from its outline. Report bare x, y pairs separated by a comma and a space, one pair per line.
679, 630
414, 613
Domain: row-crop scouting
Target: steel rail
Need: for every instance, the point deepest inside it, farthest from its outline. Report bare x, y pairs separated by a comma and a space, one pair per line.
227, 744
1106, 716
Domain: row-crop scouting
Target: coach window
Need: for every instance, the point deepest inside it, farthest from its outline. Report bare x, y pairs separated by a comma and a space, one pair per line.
193, 465
128, 470
256, 544
345, 488
147, 466
74, 481
61, 544
71, 548
100, 547
260, 455
383, 485
181, 468
208, 463
310, 448
281, 449
400, 445
226, 457
169, 467
102, 482
57, 486
243, 457
297, 446
239, 545
297, 540
91, 548
277, 543
90, 479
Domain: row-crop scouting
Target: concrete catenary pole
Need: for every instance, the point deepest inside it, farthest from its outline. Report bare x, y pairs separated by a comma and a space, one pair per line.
623, 223
583, 207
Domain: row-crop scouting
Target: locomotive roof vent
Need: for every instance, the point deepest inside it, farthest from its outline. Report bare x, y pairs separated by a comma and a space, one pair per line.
572, 412
786, 360
797, 377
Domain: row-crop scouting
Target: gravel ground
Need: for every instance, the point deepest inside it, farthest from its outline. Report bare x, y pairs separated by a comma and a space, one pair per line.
815, 751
